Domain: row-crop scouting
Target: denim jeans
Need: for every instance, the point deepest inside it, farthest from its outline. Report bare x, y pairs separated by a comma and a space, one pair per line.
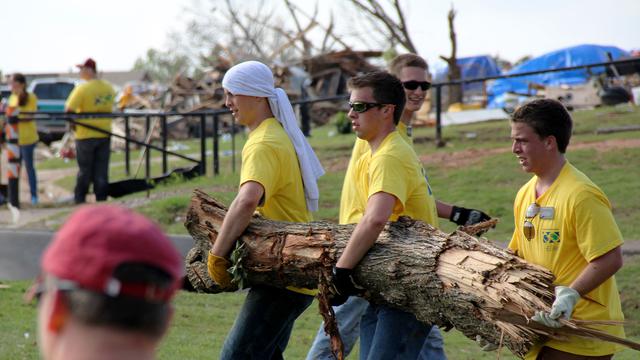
26, 153
93, 167
387, 333
348, 316
264, 324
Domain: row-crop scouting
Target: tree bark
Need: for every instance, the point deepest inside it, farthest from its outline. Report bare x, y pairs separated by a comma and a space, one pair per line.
450, 280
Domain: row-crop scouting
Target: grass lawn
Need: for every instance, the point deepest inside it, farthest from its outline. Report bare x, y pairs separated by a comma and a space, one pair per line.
486, 177
201, 323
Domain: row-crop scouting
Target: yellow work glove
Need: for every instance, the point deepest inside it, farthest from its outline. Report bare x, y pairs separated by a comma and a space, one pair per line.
217, 267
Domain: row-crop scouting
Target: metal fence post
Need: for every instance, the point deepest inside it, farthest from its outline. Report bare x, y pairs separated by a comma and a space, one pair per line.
147, 165
305, 119
203, 144
127, 149
164, 143
439, 141
216, 147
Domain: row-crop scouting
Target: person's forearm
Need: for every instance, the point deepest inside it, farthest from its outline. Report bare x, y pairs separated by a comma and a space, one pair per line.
598, 271
234, 223
362, 239
444, 209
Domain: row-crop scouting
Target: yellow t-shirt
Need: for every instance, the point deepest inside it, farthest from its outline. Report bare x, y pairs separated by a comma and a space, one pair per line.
27, 130
350, 210
268, 158
92, 96
575, 226
395, 169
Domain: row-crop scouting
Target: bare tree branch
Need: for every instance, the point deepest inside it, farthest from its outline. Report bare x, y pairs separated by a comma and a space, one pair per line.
397, 29
305, 43
329, 31
244, 29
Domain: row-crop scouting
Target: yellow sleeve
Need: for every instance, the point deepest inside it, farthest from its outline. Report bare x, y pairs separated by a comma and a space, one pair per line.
33, 102
596, 230
260, 164
13, 101
386, 174
75, 99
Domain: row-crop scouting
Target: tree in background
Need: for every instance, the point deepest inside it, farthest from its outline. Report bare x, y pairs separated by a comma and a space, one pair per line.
455, 91
162, 66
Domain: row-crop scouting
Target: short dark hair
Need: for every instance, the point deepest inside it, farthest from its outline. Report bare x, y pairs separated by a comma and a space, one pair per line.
387, 89
122, 312
406, 60
547, 117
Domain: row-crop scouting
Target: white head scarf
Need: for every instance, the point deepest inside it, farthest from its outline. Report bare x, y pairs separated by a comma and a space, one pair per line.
253, 78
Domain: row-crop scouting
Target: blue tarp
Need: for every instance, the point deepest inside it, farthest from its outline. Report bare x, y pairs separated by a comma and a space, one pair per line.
471, 67
572, 56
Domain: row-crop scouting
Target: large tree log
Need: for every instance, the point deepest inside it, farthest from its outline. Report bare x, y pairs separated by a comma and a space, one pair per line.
451, 280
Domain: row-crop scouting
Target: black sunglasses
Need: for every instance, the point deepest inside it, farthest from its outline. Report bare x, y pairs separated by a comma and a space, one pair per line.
412, 85
360, 107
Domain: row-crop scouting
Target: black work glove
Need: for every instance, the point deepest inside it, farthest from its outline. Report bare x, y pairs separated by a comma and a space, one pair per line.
466, 217
344, 285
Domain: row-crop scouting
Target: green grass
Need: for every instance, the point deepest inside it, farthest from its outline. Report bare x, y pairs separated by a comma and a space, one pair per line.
201, 322
487, 182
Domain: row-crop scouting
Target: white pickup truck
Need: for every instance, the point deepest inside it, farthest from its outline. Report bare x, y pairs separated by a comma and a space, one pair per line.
52, 94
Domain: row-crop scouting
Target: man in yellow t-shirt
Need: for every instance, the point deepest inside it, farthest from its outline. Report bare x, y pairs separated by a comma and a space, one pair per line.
564, 223
93, 147
412, 70
273, 182
390, 180
25, 101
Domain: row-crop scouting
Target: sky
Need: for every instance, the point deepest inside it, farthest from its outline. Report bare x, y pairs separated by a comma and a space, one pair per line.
54, 35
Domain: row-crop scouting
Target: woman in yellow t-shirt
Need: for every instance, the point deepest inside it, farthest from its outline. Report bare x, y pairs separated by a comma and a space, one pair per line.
27, 129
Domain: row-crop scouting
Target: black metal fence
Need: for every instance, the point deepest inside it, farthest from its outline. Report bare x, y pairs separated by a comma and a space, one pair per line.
214, 116
206, 118
438, 86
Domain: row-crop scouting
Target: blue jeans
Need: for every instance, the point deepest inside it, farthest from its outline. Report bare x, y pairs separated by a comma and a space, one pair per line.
26, 153
264, 324
93, 167
388, 333
349, 316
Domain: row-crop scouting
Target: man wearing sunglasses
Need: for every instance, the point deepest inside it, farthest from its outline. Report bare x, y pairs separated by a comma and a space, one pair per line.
105, 292
563, 222
389, 183
412, 70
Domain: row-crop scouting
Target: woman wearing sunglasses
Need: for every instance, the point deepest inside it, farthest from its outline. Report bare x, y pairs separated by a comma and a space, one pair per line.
563, 222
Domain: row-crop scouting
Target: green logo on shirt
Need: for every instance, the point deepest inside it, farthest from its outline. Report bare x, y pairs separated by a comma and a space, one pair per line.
551, 237
103, 100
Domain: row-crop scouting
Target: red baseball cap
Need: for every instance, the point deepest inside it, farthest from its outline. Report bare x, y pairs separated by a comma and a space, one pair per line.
96, 239
90, 63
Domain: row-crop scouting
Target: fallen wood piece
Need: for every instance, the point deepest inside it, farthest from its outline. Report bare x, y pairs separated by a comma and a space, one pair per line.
450, 280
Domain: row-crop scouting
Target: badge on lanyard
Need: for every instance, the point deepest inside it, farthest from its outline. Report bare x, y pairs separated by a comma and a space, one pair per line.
547, 213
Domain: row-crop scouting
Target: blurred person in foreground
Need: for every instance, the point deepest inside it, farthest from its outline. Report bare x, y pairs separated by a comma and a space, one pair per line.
563, 222
93, 147
24, 101
106, 284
